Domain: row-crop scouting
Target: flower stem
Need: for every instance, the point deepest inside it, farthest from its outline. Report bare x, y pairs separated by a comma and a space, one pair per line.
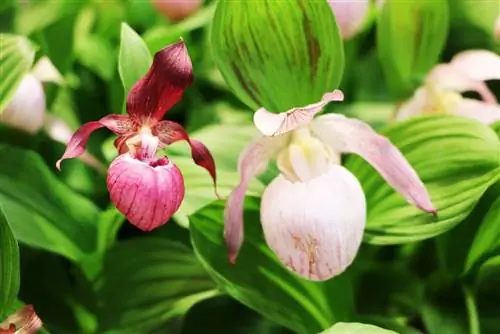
470, 304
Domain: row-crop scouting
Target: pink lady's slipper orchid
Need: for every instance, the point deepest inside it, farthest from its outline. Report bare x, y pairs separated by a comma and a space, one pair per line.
350, 15
148, 189
313, 213
24, 321
176, 10
467, 71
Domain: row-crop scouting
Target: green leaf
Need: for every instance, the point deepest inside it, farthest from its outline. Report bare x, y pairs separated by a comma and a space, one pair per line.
134, 59
486, 243
456, 158
295, 65
43, 211
261, 282
9, 266
356, 328
16, 57
410, 38
148, 282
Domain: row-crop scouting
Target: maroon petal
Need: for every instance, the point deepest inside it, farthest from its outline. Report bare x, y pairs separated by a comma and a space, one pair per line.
169, 132
25, 320
119, 124
162, 87
148, 194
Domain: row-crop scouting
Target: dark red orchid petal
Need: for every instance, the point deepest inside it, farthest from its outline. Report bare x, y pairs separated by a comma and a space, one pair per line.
169, 132
119, 124
162, 87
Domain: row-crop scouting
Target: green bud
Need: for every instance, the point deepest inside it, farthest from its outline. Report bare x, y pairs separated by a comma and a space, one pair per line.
277, 54
410, 38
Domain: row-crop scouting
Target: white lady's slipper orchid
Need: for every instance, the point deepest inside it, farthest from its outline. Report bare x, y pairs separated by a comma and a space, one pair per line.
350, 15
24, 321
441, 92
26, 109
313, 213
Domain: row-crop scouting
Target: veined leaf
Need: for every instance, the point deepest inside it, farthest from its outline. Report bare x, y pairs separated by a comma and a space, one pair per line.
9, 266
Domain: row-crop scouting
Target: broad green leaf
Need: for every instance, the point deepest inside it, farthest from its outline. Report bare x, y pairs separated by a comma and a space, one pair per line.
43, 211
293, 66
456, 158
356, 328
481, 14
134, 59
261, 282
410, 38
16, 57
148, 282
9, 266
486, 243
94, 52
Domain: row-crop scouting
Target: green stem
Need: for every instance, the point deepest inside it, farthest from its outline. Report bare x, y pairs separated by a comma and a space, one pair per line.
470, 304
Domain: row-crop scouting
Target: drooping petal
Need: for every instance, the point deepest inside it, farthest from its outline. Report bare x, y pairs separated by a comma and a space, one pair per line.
24, 321
119, 124
170, 132
483, 112
26, 109
164, 84
45, 71
148, 194
177, 10
478, 64
416, 105
354, 136
315, 227
271, 124
349, 15
448, 77
253, 161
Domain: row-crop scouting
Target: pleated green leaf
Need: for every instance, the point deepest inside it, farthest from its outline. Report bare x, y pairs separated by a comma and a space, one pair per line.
9, 266
16, 57
457, 159
261, 282
147, 283
274, 62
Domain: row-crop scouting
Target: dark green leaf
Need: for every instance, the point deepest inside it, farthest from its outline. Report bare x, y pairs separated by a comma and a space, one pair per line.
261, 282
9, 266
456, 158
43, 211
295, 65
16, 57
147, 283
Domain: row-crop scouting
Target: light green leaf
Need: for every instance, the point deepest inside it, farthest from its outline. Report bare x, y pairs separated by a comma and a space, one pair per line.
43, 211
9, 266
148, 282
456, 158
293, 66
410, 38
356, 328
134, 59
486, 243
261, 282
16, 57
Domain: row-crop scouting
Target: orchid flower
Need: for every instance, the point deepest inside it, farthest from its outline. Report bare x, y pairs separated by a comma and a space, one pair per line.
350, 15
467, 71
145, 188
177, 10
313, 213
24, 321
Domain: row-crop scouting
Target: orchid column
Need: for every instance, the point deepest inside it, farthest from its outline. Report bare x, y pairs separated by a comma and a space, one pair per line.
285, 61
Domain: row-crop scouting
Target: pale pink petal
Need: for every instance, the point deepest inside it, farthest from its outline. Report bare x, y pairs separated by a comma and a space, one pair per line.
478, 64
483, 112
354, 136
119, 124
350, 15
24, 321
496, 29
448, 77
315, 227
253, 161
416, 105
45, 71
148, 194
272, 124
